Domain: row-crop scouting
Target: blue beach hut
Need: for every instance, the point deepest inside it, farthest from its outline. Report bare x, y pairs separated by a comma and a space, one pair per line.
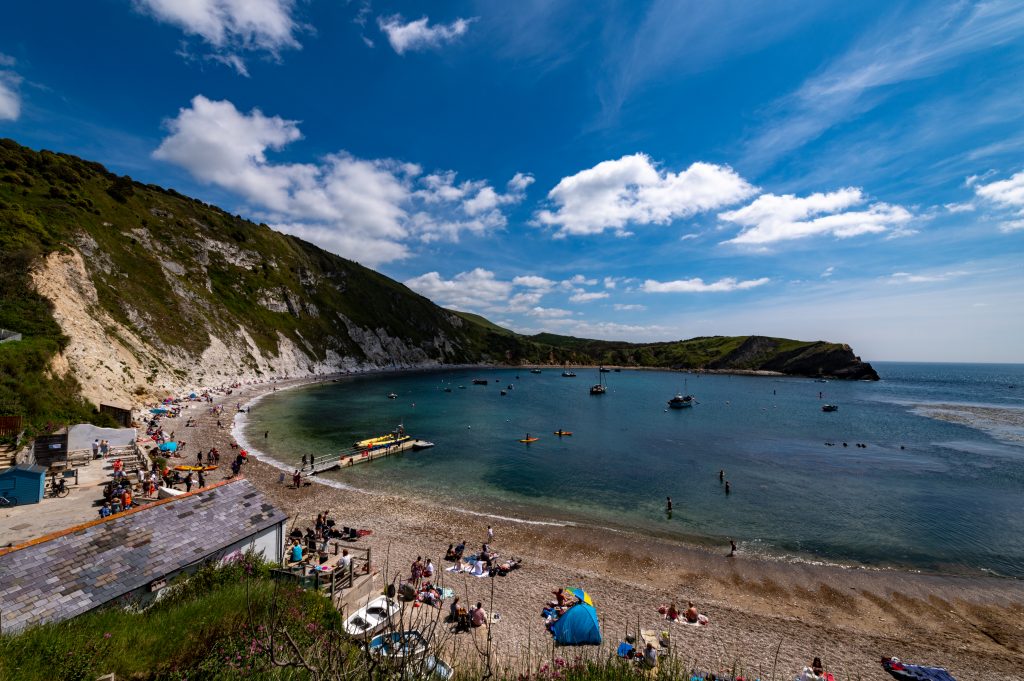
24, 482
577, 627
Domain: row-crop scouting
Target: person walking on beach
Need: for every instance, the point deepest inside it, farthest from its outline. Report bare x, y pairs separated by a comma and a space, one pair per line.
490, 534
188, 482
732, 548
296, 478
202, 479
303, 462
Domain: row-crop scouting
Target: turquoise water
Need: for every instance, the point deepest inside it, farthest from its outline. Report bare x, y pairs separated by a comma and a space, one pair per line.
925, 493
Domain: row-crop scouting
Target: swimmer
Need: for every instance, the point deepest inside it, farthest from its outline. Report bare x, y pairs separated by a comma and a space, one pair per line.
726, 486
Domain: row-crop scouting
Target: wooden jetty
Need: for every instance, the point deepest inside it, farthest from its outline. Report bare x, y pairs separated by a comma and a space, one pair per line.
355, 455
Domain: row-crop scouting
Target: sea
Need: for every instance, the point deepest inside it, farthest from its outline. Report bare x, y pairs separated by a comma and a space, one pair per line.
922, 470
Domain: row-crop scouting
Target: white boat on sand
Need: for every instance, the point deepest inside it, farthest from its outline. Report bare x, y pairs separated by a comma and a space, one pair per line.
372, 618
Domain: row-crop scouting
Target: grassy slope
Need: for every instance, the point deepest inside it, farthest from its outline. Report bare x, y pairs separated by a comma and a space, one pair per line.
128, 232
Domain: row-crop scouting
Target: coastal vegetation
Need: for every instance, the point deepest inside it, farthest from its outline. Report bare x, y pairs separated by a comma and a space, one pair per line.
176, 273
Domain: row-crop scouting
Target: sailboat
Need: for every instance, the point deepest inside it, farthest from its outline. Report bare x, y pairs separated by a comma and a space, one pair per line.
681, 401
599, 388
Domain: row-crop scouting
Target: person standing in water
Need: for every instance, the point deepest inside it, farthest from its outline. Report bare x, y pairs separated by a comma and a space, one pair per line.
727, 487
732, 548
668, 504
721, 475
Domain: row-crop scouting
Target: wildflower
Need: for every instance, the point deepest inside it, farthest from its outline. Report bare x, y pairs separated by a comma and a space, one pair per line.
107, 634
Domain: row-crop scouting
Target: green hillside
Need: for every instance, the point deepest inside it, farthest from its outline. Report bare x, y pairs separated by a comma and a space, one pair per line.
175, 270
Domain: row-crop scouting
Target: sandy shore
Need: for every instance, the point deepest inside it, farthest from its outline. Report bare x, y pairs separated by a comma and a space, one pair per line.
848, 617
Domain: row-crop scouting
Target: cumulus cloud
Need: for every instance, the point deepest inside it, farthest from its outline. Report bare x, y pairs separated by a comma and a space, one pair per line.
1007, 193
623, 307
587, 296
533, 281
549, 313
231, 26
419, 34
698, 285
632, 190
476, 289
1008, 226
367, 210
771, 218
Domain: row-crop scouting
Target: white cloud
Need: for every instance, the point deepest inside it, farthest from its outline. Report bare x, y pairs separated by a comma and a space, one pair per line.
578, 280
771, 218
465, 291
419, 34
367, 210
10, 99
610, 282
908, 278
549, 312
587, 296
965, 207
622, 307
1011, 226
231, 26
533, 281
1007, 193
631, 190
828, 271
697, 285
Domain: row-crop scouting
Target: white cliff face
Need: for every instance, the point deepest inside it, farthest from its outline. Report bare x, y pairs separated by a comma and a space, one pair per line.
116, 364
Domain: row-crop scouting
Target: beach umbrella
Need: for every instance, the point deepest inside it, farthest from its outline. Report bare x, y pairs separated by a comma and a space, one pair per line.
169, 447
582, 595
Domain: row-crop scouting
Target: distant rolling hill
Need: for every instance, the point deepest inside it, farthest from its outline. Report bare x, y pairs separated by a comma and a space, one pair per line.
124, 291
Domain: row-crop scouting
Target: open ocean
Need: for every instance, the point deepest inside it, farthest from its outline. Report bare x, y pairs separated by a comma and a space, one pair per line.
939, 487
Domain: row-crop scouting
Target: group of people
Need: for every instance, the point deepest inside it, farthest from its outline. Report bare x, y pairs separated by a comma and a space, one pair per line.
465, 620
100, 448
690, 615
421, 571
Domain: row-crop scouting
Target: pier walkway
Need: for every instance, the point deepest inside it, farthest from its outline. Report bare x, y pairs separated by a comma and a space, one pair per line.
355, 455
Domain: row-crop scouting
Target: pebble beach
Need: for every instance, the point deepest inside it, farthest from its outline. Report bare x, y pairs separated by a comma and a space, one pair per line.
764, 615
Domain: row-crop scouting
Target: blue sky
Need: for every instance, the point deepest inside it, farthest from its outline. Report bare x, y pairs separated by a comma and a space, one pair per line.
642, 171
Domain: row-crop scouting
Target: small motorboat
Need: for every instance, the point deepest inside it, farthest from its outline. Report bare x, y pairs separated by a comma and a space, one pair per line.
504, 392
603, 370
479, 381
392, 396
421, 444
448, 389
371, 619
681, 401
563, 433
568, 374
534, 371
408, 645
830, 407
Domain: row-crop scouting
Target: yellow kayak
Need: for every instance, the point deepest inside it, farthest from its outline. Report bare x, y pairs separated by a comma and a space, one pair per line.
530, 439
563, 433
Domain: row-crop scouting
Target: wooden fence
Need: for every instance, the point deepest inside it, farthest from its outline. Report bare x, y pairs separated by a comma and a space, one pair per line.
10, 425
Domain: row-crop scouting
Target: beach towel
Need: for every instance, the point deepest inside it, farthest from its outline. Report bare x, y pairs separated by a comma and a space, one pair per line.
446, 592
480, 569
624, 650
702, 620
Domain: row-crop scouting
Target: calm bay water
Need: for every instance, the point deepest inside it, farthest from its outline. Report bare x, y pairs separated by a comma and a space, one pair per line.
939, 487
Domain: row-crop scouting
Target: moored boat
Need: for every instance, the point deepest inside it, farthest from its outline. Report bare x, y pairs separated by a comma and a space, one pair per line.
397, 436
830, 407
371, 619
534, 371
681, 401
399, 644
479, 381
392, 396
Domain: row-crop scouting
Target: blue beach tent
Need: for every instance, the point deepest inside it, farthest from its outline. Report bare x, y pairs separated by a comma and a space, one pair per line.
169, 447
577, 627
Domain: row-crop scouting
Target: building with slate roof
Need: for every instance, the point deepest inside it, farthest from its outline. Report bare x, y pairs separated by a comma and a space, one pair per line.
128, 557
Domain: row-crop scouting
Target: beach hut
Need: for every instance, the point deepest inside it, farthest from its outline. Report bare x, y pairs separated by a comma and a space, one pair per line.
24, 482
577, 627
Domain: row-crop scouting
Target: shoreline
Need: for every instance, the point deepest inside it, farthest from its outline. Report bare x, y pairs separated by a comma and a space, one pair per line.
849, 616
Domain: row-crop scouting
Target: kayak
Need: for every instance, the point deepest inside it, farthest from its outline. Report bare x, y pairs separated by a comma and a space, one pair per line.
528, 440
563, 433
195, 468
